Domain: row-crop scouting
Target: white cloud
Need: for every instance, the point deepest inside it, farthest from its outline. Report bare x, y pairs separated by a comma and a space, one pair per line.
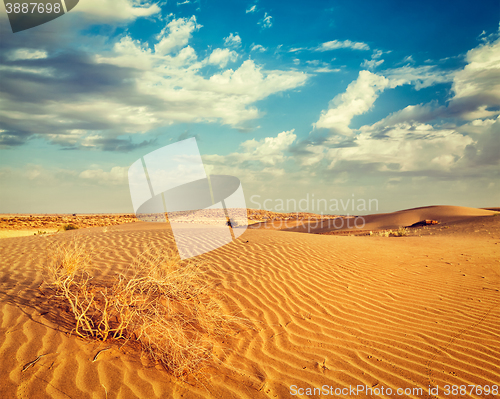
116, 176
371, 64
175, 35
357, 99
26, 54
265, 22
221, 57
311, 154
251, 9
420, 77
320, 67
116, 10
408, 60
180, 94
421, 113
268, 151
146, 86
182, 3
336, 44
404, 147
259, 48
313, 62
374, 62
477, 87
327, 70
232, 40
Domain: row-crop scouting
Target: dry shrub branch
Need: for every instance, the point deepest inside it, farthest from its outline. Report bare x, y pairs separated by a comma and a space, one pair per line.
165, 304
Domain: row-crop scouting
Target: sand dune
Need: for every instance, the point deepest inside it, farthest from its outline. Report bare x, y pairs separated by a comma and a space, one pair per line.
394, 220
408, 312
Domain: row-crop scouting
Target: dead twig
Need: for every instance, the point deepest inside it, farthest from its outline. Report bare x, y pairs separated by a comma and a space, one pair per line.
97, 354
33, 362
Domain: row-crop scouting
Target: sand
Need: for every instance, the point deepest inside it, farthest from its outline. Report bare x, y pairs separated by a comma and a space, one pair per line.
341, 311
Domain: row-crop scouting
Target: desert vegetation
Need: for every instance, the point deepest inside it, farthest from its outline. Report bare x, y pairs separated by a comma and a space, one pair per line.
164, 305
69, 226
401, 232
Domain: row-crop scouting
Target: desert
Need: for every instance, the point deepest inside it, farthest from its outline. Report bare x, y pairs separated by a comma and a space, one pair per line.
324, 313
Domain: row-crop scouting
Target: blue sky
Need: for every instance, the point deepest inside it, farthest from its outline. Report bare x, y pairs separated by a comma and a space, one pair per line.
382, 100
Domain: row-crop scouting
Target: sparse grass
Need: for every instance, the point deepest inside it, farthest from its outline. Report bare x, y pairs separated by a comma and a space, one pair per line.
382, 233
161, 302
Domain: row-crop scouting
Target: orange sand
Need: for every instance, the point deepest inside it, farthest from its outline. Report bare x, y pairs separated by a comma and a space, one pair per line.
393, 312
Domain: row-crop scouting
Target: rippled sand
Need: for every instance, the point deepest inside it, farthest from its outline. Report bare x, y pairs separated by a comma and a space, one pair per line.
330, 310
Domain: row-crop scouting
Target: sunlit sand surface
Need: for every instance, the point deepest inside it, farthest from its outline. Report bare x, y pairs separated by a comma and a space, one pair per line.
399, 312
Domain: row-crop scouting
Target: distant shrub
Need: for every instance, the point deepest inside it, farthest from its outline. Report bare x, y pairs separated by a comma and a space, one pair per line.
69, 226
401, 232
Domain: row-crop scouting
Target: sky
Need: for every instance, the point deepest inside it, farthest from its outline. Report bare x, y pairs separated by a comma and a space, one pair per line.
338, 101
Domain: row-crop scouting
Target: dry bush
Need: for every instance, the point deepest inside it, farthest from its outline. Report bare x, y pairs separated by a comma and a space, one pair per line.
69, 226
401, 232
161, 302
382, 233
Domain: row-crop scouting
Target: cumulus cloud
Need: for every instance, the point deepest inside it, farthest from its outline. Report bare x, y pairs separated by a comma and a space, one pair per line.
221, 57
357, 99
485, 150
418, 140
403, 147
417, 144
109, 11
233, 40
132, 88
413, 148
251, 9
337, 44
476, 88
269, 151
175, 35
